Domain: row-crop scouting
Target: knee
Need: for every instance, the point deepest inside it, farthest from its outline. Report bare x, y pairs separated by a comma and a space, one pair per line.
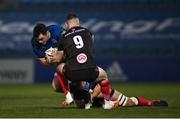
102, 73
104, 82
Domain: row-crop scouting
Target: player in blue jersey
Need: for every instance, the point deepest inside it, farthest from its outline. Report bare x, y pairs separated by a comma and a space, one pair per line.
45, 39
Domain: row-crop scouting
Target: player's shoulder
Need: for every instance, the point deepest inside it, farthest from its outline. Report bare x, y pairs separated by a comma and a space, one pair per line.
86, 30
75, 30
81, 28
54, 27
55, 30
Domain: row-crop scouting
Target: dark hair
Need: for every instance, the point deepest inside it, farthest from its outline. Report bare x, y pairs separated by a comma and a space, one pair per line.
71, 16
39, 29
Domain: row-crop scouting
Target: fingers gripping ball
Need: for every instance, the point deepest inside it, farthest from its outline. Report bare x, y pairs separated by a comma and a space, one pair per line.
49, 52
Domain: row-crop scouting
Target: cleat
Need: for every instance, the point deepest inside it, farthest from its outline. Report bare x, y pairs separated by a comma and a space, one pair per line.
69, 98
88, 105
160, 103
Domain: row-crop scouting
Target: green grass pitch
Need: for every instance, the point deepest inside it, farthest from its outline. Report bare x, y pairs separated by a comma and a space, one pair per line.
39, 100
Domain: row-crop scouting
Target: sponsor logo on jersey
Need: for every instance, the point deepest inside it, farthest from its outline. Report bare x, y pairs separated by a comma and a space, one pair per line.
81, 58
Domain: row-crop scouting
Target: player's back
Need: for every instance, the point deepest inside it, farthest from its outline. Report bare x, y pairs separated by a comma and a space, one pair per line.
77, 44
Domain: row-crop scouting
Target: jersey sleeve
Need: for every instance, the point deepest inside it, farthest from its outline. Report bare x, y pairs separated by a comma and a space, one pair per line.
56, 31
39, 53
92, 35
60, 45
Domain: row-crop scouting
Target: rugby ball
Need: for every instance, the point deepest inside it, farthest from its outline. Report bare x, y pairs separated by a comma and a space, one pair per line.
49, 52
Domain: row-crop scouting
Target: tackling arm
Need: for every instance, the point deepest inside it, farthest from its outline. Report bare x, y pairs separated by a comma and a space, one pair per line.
44, 61
57, 57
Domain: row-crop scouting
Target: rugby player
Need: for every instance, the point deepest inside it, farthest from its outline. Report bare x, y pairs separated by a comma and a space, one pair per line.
45, 39
80, 65
91, 95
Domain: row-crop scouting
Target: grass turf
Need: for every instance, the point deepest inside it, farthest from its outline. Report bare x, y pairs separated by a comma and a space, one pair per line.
38, 100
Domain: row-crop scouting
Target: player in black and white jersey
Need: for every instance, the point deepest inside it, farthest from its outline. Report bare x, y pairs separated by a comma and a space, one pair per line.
80, 65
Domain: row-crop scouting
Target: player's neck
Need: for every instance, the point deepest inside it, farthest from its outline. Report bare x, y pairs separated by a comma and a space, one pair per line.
73, 25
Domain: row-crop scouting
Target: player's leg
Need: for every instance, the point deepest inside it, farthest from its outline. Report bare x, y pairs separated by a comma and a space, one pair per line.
58, 88
105, 88
63, 82
116, 97
104, 83
77, 76
135, 101
121, 100
140, 101
81, 95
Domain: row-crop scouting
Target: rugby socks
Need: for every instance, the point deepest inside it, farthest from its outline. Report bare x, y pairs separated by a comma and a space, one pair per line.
63, 83
144, 102
105, 89
122, 100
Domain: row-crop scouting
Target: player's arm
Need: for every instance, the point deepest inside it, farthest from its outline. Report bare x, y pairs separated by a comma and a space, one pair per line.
92, 36
94, 89
50, 61
96, 92
57, 57
46, 61
60, 56
43, 61
41, 57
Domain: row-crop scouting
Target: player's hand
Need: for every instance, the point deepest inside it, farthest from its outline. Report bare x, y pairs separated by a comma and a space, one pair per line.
49, 60
51, 55
56, 57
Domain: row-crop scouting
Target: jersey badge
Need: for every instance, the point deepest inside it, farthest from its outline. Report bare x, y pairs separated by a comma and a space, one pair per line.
81, 58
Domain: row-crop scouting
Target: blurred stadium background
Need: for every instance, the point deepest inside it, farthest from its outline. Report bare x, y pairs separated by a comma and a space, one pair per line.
136, 40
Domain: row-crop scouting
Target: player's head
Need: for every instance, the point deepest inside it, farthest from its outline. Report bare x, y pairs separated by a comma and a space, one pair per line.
41, 33
72, 20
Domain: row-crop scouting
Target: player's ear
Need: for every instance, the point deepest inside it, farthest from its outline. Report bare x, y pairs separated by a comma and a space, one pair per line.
66, 24
48, 33
78, 21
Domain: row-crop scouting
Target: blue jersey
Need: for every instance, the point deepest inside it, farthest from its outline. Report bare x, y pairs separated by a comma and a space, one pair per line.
39, 49
89, 86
